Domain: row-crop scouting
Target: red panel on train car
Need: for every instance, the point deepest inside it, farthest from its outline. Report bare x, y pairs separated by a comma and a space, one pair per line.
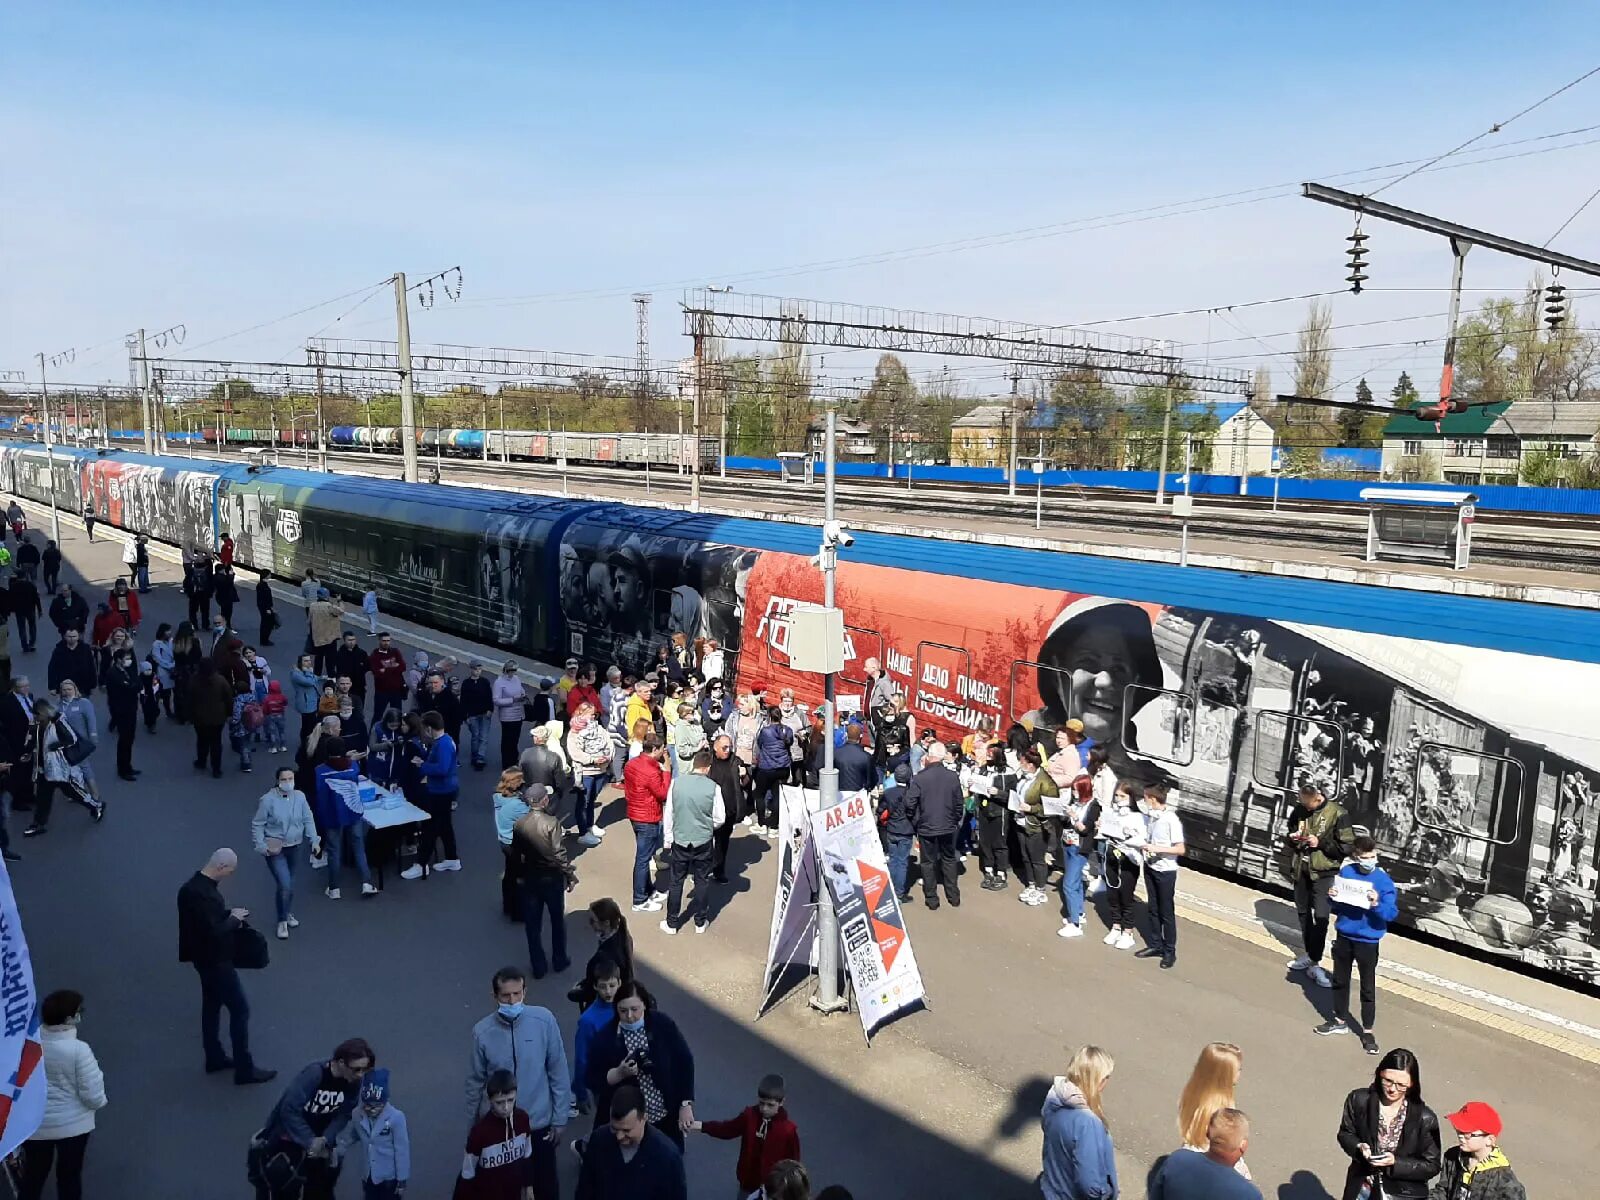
987, 650
605, 450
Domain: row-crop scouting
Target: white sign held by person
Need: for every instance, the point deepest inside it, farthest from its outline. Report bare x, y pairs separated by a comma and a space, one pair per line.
877, 949
21, 1052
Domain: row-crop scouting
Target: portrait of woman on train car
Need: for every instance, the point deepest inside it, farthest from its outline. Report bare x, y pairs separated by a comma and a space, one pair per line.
1094, 651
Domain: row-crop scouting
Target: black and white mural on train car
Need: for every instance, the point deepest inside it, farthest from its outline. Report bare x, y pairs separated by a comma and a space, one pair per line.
1475, 769
167, 503
623, 592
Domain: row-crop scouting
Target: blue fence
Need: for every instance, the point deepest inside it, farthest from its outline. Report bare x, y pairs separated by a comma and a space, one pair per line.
1574, 501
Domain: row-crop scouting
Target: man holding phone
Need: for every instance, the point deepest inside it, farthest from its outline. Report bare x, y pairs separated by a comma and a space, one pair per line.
1320, 839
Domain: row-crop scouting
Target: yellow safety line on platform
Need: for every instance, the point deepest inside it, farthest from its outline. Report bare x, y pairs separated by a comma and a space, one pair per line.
1482, 1017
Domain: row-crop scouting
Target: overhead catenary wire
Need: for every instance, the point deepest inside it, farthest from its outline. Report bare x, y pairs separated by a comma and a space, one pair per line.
1495, 128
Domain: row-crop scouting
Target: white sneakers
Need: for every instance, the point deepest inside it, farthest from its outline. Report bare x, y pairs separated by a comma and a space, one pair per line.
1033, 896
650, 905
331, 893
759, 830
283, 930
595, 832
1069, 930
668, 928
1125, 942
368, 889
414, 871
1318, 976
702, 928
292, 923
447, 864
1300, 964
1110, 939
317, 861
658, 897
589, 839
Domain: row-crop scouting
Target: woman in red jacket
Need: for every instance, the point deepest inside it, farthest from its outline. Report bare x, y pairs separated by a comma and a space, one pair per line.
124, 606
644, 785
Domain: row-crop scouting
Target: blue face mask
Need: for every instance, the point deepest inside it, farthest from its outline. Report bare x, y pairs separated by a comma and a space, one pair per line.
512, 1011
631, 1026
1366, 864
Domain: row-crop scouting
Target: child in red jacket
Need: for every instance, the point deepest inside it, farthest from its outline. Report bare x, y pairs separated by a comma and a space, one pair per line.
766, 1134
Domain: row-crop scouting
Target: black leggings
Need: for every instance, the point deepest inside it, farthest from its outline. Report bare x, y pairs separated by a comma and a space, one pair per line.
66, 1154
768, 780
992, 838
440, 826
1122, 879
1034, 872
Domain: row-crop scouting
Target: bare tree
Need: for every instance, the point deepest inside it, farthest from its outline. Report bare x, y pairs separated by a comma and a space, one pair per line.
1313, 352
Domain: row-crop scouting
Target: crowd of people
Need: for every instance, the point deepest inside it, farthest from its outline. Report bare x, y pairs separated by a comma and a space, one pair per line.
692, 761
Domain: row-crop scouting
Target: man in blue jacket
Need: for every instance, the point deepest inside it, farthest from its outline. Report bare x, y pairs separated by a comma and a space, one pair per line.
441, 783
1364, 903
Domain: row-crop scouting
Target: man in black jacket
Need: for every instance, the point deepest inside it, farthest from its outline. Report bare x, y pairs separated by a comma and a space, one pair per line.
934, 804
854, 764
50, 564
9, 769
349, 659
726, 772
269, 615
24, 597
206, 928
16, 727
28, 559
629, 1158
69, 610
477, 708
73, 659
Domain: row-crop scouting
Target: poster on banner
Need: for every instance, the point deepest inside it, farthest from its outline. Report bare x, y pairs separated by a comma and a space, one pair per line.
22, 1087
792, 942
877, 949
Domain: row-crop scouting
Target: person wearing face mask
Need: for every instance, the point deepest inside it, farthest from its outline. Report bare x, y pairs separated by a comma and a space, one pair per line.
525, 1040
1125, 835
643, 1048
123, 687
1364, 903
282, 825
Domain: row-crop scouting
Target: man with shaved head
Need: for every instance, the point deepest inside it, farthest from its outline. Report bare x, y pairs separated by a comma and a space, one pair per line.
206, 928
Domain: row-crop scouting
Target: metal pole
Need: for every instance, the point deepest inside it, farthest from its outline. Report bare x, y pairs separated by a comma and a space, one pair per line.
1038, 494
722, 439
158, 411
680, 427
322, 440
891, 439
408, 400
144, 398
1447, 377
372, 447
1188, 469
1011, 468
505, 453
827, 998
1166, 430
485, 429
699, 391
49, 451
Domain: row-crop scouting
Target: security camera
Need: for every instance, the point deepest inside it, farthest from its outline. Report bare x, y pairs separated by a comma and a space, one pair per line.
835, 533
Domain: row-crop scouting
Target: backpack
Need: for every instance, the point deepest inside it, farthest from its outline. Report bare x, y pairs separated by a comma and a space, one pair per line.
252, 718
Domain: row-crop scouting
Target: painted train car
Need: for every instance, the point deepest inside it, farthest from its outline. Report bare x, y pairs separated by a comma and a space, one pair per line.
1463, 733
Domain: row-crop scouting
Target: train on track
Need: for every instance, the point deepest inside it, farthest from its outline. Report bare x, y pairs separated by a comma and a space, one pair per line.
1463, 733
663, 450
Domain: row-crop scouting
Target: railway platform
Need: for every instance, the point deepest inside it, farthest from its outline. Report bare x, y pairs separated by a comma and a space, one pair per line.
944, 1102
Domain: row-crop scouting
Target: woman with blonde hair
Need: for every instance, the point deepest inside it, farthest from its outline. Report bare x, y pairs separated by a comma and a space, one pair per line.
1079, 1162
1209, 1091
509, 808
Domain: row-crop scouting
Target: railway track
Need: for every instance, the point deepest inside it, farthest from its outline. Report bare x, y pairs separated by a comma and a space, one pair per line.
1519, 539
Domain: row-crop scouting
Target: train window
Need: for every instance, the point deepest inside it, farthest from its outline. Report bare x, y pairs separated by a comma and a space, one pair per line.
775, 637
1165, 727
1465, 793
940, 682
1042, 694
859, 645
1291, 749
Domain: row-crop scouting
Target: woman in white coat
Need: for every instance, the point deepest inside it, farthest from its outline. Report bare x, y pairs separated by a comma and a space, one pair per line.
75, 1091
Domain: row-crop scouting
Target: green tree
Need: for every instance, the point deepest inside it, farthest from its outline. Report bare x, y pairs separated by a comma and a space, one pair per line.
1089, 424
888, 400
1404, 394
1358, 427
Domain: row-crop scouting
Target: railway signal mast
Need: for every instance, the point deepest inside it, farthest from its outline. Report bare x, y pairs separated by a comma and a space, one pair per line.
1462, 238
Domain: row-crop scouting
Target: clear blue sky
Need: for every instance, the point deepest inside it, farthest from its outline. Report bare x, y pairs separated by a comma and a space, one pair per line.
224, 164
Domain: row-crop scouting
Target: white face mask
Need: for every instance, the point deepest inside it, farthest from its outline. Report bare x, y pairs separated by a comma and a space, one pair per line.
286, 788
1366, 864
